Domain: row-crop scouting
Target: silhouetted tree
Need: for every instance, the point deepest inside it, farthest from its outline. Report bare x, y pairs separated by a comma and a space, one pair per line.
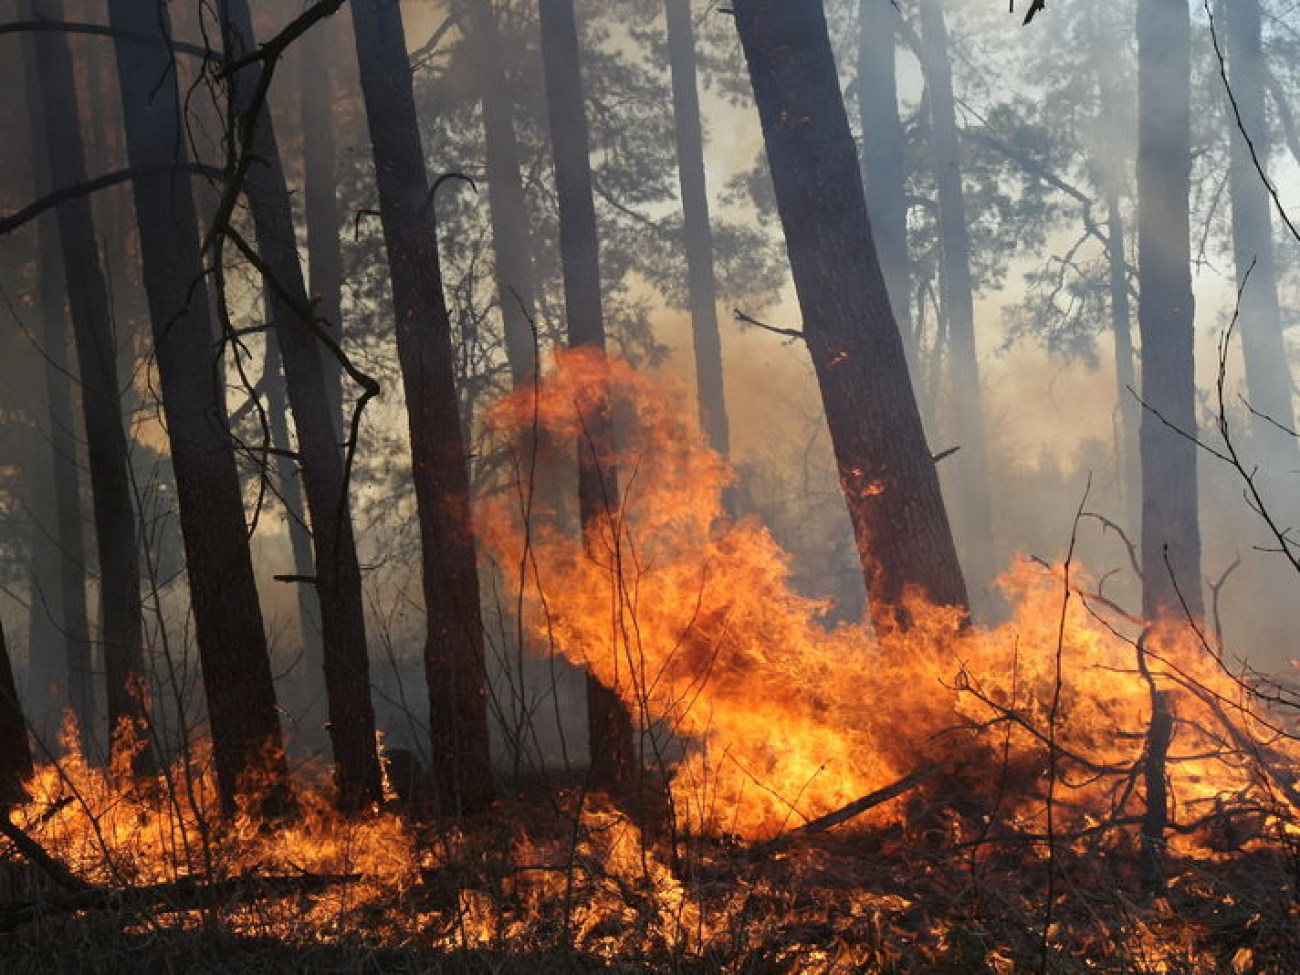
1171, 546
511, 235
453, 653
317, 51
338, 573
610, 734
884, 155
121, 624
246, 740
59, 665
972, 501
886, 471
697, 232
1268, 376
15, 749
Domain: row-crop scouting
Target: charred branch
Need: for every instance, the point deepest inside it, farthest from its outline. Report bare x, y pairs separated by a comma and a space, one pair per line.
33, 210
845, 813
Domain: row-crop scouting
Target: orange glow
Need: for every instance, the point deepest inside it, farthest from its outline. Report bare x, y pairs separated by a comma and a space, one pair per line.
760, 717
689, 614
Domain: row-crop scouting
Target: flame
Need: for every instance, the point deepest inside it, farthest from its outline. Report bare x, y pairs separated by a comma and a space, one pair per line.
759, 717
689, 614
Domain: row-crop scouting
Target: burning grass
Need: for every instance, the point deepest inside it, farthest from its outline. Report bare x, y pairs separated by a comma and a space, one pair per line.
1100, 795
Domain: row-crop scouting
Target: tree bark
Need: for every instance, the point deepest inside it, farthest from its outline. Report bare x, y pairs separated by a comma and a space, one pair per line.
697, 231
611, 740
973, 505
508, 212
121, 623
1126, 391
15, 749
1171, 547
304, 696
60, 672
886, 471
317, 51
884, 157
338, 573
1268, 378
454, 650
246, 740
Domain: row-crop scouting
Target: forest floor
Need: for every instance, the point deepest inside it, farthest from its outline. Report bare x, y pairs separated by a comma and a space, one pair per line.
886, 900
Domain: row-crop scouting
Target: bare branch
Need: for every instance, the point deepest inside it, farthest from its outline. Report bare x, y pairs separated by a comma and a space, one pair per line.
33, 210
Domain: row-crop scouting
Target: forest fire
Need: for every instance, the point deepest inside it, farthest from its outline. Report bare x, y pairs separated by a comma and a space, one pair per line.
399, 613
1037, 742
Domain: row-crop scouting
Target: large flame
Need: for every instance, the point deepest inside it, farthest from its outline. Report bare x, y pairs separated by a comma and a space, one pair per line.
689, 614
759, 717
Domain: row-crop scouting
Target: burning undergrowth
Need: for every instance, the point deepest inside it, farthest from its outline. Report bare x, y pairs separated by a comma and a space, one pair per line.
1071, 790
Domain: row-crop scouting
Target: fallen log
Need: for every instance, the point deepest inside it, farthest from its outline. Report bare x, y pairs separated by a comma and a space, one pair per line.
189, 894
842, 815
36, 855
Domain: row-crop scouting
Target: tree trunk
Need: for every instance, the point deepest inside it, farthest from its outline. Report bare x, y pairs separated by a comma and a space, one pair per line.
15, 750
121, 623
317, 50
1171, 546
1121, 323
338, 573
516, 287
246, 741
304, 693
454, 651
886, 471
1268, 378
884, 157
971, 468
611, 740
697, 232
60, 671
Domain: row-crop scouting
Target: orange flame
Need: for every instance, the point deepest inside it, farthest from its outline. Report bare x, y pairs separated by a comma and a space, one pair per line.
690, 616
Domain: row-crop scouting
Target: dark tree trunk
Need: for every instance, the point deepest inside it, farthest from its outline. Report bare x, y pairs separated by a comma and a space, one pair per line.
15, 749
121, 624
1268, 378
338, 573
886, 471
971, 468
1121, 322
304, 694
454, 651
246, 740
317, 50
1171, 545
516, 288
697, 232
884, 157
609, 727
59, 632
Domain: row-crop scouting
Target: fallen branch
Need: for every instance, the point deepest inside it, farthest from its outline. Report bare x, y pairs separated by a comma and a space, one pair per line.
842, 815
183, 895
36, 855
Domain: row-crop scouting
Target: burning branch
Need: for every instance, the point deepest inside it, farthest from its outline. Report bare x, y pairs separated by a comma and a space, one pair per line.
1157, 813
842, 815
